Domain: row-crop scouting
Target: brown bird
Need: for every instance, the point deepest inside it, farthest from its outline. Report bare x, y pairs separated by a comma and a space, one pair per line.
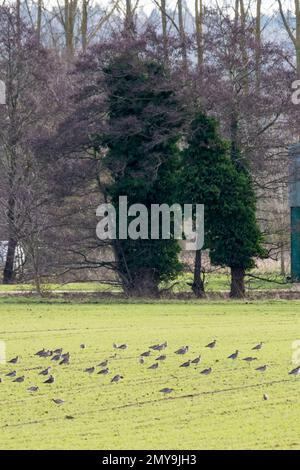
196, 360
295, 371
103, 364
206, 371
89, 370
186, 364
45, 371
11, 374
19, 379
57, 357
145, 354
234, 355
163, 357
154, 366
104, 371
33, 389
15, 360
258, 346
262, 368
51, 380
65, 360
212, 345
249, 359
58, 401
117, 378
182, 350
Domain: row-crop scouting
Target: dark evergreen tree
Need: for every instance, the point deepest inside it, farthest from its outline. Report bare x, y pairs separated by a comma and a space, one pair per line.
143, 159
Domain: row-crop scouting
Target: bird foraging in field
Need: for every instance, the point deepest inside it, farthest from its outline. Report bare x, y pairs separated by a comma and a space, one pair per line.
206, 371
19, 379
154, 366
103, 364
57, 357
58, 351
117, 378
141, 360
212, 345
45, 371
234, 355
15, 360
51, 380
185, 364
47, 353
11, 374
104, 371
196, 360
262, 368
295, 371
163, 357
65, 360
166, 390
82, 346
121, 346
146, 354
182, 350
58, 401
33, 389
89, 370
249, 359
258, 347
265, 397
39, 353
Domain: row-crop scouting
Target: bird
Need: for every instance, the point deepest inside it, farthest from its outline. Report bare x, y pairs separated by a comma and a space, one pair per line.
146, 354
47, 353
258, 346
90, 370
11, 374
65, 360
212, 345
249, 359
161, 346
39, 353
104, 371
262, 368
196, 360
103, 364
58, 401
186, 364
154, 366
33, 389
166, 390
117, 378
82, 346
123, 346
45, 371
57, 357
141, 360
234, 355
58, 351
69, 417
206, 371
182, 350
154, 347
295, 371
163, 357
15, 360
51, 380
0, 380
19, 379
265, 397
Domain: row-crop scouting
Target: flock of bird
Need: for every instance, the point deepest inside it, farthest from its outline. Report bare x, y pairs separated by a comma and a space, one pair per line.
63, 358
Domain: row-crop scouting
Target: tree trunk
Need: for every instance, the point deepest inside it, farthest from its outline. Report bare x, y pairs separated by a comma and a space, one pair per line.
84, 24
237, 288
39, 20
182, 35
164, 30
198, 284
8, 273
199, 13
258, 43
143, 284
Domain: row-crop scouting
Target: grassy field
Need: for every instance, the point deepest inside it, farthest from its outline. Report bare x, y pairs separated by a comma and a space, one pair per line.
224, 410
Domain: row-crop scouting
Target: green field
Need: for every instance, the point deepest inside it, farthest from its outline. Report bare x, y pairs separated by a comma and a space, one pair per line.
224, 410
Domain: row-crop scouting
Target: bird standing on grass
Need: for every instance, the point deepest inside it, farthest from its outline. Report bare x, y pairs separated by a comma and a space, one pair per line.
249, 359
33, 389
145, 354
166, 390
15, 360
45, 371
103, 364
196, 360
11, 374
262, 368
295, 371
206, 371
186, 364
258, 347
212, 345
163, 357
19, 379
234, 355
51, 380
89, 370
104, 371
58, 401
182, 350
154, 366
117, 378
